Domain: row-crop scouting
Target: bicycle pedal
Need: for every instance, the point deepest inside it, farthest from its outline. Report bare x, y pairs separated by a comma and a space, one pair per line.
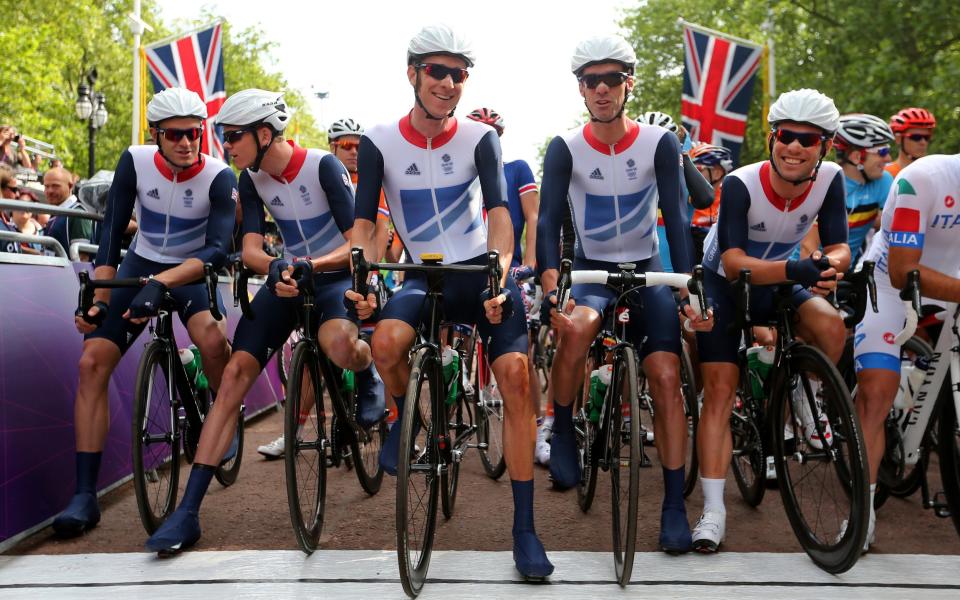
771, 469
940, 506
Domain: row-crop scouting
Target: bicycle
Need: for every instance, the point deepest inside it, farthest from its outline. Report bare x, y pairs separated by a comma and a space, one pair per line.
927, 417
611, 437
541, 337
803, 379
431, 446
484, 394
168, 409
308, 449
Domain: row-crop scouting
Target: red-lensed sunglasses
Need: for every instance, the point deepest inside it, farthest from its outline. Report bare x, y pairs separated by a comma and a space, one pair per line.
348, 146
440, 72
175, 135
807, 139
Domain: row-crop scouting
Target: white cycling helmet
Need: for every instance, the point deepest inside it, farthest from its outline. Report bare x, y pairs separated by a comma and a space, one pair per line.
175, 102
596, 50
660, 119
805, 106
860, 130
439, 39
343, 127
252, 107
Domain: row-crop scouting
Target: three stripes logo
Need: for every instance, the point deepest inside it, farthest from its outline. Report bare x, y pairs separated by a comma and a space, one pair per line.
596, 174
412, 169
276, 201
154, 193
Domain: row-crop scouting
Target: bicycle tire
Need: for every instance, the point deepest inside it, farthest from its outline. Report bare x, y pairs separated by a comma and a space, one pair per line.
691, 405
834, 547
450, 477
624, 394
228, 471
749, 459
304, 453
418, 462
365, 447
156, 463
585, 432
948, 448
489, 414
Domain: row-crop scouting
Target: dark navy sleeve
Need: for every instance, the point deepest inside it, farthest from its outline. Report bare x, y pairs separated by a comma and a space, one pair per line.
732, 225
557, 168
673, 203
335, 182
251, 205
370, 181
832, 218
120, 202
223, 214
489, 161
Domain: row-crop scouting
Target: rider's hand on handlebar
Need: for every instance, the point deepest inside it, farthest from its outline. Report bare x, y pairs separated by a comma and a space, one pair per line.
146, 303
365, 308
499, 308
693, 318
550, 316
93, 319
814, 272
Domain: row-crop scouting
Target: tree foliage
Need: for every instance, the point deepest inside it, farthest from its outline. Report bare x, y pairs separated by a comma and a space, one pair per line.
873, 57
49, 45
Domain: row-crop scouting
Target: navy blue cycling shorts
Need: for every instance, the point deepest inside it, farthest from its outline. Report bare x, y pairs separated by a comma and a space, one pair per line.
654, 323
721, 343
191, 299
276, 317
462, 304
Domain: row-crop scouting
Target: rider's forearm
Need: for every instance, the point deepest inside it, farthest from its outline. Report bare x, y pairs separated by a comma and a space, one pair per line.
762, 272
337, 260
500, 237
934, 284
186, 272
103, 272
362, 235
839, 255
548, 280
254, 257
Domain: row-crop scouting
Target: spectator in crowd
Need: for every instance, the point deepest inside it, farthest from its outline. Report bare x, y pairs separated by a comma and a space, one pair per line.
25, 221
58, 186
9, 190
12, 152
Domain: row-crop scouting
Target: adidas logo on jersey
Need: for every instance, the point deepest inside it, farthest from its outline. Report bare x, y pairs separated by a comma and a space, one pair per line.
154, 193
596, 174
276, 201
761, 226
412, 169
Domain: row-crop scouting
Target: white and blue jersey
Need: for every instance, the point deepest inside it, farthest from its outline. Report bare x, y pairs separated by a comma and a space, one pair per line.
520, 182
311, 202
435, 188
182, 215
754, 218
613, 191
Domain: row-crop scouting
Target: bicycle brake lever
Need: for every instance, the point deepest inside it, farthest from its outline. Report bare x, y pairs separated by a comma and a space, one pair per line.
564, 283
493, 267
361, 269
698, 298
210, 276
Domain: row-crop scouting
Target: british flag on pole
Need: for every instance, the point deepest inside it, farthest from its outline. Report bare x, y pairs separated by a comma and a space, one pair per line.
195, 62
718, 83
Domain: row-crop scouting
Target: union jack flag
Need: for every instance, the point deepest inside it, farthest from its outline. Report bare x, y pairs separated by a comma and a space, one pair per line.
195, 62
717, 85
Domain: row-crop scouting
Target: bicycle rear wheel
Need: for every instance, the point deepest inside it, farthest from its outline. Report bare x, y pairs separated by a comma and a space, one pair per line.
823, 483
948, 440
749, 456
305, 443
418, 485
156, 439
450, 477
489, 409
625, 457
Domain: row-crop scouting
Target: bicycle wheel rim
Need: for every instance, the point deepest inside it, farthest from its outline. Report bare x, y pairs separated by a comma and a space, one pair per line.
366, 448
748, 461
418, 485
156, 443
228, 471
305, 462
821, 488
585, 432
623, 442
489, 405
450, 477
691, 407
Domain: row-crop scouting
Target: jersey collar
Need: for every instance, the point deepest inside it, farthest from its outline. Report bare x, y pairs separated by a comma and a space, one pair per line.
292, 169
164, 167
776, 199
633, 130
419, 140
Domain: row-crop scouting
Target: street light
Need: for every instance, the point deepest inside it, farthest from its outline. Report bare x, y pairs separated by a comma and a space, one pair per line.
91, 106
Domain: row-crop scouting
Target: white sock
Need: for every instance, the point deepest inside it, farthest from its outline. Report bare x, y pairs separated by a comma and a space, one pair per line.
713, 494
873, 512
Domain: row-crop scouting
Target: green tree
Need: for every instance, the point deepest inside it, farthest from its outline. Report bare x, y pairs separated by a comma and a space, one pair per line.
875, 57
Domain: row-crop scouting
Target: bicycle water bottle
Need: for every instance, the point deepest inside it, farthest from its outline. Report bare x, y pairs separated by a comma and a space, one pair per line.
190, 359
349, 382
451, 364
759, 363
599, 381
911, 378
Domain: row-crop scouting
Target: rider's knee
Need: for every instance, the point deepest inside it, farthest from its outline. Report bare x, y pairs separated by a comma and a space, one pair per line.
94, 365
664, 383
212, 344
388, 346
833, 336
718, 395
875, 398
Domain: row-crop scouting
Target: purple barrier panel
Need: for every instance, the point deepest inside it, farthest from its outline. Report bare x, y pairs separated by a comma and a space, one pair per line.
39, 352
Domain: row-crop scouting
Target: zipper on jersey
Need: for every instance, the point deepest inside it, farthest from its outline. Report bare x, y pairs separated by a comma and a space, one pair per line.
173, 194
428, 161
296, 216
616, 198
783, 221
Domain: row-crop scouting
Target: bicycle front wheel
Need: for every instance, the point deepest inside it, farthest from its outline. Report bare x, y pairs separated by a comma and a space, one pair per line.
625, 458
489, 409
948, 438
305, 443
418, 484
820, 459
748, 461
156, 439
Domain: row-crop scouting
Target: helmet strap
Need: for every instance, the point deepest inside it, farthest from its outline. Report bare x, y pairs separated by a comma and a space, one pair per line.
802, 180
170, 162
262, 150
593, 118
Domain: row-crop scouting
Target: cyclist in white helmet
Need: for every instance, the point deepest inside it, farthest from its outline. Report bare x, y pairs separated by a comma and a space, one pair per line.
616, 173
308, 194
430, 153
767, 209
185, 203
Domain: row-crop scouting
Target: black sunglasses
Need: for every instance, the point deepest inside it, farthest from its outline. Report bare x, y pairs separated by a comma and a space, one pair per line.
916, 137
440, 72
807, 139
12, 188
232, 137
175, 135
611, 79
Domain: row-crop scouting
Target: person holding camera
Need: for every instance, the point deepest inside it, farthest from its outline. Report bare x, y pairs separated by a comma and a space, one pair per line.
8, 154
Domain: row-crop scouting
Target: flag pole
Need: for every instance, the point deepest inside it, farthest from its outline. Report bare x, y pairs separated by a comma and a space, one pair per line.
769, 80
137, 26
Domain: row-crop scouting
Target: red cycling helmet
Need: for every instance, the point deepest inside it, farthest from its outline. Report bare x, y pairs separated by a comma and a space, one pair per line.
488, 116
912, 117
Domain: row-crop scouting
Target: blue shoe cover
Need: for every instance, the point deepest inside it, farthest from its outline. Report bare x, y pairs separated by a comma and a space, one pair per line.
81, 514
529, 556
675, 535
391, 447
564, 463
180, 531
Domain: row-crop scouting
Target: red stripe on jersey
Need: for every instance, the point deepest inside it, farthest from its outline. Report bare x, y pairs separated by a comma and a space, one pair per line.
906, 219
419, 140
523, 189
776, 199
633, 130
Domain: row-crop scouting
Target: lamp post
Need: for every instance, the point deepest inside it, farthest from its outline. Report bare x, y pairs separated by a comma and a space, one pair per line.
91, 106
